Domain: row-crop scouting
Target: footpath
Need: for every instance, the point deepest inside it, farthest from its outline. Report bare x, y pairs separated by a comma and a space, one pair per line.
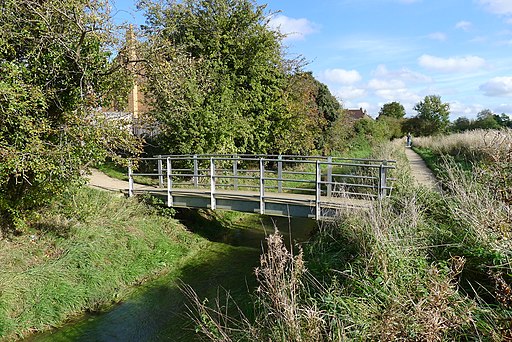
423, 176
99, 180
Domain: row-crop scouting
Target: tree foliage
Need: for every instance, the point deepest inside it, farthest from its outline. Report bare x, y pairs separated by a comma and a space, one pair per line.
432, 117
215, 76
217, 82
55, 69
312, 111
393, 110
485, 119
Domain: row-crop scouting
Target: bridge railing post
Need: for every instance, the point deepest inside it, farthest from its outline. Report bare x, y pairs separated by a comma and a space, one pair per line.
382, 179
318, 190
160, 171
169, 183
213, 203
262, 187
235, 172
196, 172
130, 180
280, 173
329, 176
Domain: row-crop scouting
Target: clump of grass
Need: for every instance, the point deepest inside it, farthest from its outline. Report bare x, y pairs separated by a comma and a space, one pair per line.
81, 254
282, 311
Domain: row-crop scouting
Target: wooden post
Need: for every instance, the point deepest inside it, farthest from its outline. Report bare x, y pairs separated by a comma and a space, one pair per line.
213, 203
169, 183
160, 171
280, 174
318, 191
262, 187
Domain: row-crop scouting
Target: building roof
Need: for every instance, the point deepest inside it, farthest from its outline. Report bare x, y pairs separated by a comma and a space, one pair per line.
356, 114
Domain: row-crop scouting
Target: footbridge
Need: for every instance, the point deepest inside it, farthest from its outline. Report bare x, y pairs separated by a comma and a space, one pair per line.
279, 185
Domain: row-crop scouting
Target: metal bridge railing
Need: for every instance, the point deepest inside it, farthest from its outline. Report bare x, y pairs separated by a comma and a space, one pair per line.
321, 177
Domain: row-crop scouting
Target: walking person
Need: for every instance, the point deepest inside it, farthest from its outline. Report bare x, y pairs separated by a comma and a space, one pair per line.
409, 140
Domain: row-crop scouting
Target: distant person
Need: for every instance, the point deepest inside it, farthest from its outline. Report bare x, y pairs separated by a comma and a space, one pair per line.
409, 140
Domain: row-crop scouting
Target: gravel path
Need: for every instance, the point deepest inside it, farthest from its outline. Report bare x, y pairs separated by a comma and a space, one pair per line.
420, 171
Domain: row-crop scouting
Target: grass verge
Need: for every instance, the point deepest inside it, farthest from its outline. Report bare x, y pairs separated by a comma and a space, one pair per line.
82, 254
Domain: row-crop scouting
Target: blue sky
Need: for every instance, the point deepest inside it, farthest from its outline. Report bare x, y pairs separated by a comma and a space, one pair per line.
371, 52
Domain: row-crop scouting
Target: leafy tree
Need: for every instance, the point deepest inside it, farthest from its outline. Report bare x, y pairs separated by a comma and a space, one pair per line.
393, 110
55, 70
503, 120
312, 110
461, 124
215, 76
433, 115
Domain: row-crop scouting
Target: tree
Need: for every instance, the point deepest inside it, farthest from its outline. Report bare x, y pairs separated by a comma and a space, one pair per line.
461, 124
56, 70
433, 115
503, 120
215, 76
393, 110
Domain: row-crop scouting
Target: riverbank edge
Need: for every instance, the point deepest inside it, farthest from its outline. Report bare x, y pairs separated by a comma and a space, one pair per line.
86, 253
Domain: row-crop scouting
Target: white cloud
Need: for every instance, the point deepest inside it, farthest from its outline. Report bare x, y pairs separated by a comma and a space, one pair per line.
342, 76
440, 36
463, 25
379, 84
458, 109
403, 74
508, 21
504, 108
349, 93
452, 64
502, 7
401, 95
294, 29
498, 86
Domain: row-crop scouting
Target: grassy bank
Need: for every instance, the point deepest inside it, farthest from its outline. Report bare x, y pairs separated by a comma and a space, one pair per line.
82, 254
420, 266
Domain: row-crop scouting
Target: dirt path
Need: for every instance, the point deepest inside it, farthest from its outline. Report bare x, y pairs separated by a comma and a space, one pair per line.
99, 180
421, 173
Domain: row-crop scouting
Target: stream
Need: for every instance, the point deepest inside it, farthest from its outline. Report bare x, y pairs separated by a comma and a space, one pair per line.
157, 310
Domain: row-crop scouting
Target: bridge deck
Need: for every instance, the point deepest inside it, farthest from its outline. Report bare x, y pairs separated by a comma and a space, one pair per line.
275, 204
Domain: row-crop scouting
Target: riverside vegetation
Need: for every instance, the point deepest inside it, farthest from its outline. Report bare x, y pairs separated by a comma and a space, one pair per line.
84, 253
421, 266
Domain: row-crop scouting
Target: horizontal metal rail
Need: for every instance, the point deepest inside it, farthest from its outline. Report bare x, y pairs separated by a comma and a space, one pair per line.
286, 175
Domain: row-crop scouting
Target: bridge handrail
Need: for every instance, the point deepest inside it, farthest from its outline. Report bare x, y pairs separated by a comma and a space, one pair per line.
268, 157
325, 181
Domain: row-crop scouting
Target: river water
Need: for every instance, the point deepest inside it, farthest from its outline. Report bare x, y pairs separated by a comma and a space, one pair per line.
157, 311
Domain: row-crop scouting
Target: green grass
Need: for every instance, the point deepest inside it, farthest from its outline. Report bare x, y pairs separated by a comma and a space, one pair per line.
83, 254
420, 266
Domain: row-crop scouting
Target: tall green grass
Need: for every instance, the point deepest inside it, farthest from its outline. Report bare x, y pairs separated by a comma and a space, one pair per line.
82, 254
421, 266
